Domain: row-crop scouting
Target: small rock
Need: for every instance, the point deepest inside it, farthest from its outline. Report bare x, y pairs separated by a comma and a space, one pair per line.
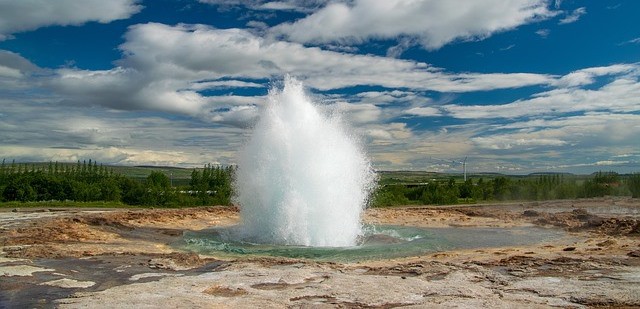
530, 213
606, 243
580, 211
569, 249
634, 253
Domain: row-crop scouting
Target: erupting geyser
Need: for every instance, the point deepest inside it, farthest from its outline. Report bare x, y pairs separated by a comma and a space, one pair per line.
302, 178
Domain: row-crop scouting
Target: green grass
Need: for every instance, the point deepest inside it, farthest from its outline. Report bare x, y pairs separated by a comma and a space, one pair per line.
413, 177
64, 204
144, 171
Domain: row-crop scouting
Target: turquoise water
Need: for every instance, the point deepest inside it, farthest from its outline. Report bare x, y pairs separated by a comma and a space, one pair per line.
379, 242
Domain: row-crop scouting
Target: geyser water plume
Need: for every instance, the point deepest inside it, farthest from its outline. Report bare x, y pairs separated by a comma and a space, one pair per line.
302, 179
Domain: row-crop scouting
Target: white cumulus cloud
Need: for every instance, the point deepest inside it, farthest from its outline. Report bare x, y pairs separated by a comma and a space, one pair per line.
433, 23
154, 74
622, 94
25, 15
285, 5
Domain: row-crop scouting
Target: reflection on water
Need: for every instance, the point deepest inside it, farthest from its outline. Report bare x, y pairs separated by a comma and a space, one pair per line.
379, 242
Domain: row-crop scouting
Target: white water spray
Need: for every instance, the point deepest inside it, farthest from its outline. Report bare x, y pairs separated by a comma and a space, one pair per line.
301, 179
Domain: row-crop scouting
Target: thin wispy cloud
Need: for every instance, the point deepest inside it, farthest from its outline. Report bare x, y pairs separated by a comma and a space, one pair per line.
573, 16
508, 47
544, 33
632, 41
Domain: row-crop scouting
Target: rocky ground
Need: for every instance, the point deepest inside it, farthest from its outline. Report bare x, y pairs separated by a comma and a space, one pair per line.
75, 258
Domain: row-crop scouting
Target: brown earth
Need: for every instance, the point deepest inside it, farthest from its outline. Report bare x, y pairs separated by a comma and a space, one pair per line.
48, 259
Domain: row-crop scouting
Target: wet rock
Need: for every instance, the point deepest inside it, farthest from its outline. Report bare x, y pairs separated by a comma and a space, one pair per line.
69, 283
177, 261
382, 239
21, 270
280, 285
580, 212
171, 232
530, 213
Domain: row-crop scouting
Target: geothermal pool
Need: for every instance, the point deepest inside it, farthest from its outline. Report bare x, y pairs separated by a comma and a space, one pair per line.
302, 183
377, 242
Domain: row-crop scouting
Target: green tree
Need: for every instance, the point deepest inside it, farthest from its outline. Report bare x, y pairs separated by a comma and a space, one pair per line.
390, 195
157, 190
110, 190
466, 189
500, 187
158, 179
19, 189
213, 185
600, 185
633, 183
132, 191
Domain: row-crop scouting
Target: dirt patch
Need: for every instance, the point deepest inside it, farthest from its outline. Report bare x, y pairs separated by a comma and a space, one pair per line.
428, 269
582, 220
596, 265
433, 216
224, 291
80, 234
488, 213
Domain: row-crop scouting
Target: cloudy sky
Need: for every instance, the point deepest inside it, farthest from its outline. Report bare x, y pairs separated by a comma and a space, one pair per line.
516, 86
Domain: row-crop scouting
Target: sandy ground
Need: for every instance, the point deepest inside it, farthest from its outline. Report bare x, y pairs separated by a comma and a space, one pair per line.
76, 258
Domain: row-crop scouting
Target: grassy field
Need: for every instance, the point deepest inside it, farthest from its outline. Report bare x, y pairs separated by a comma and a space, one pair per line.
65, 204
416, 177
179, 176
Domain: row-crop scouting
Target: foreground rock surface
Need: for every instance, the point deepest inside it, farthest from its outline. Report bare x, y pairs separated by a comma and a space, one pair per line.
125, 259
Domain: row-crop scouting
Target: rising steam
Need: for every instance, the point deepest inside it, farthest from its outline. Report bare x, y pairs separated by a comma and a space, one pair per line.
302, 178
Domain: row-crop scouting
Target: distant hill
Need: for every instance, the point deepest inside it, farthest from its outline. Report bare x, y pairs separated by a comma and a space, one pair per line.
551, 173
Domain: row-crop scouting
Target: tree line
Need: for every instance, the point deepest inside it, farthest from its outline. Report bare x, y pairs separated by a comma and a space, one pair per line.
543, 187
88, 182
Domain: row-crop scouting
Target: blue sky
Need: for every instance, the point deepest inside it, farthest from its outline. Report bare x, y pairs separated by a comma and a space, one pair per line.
516, 86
